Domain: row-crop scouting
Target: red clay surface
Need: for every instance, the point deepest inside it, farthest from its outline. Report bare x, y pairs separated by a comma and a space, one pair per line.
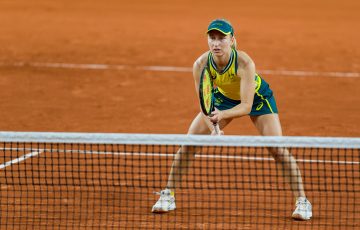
314, 36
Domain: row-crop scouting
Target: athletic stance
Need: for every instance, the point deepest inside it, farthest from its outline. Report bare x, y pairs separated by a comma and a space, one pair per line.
239, 91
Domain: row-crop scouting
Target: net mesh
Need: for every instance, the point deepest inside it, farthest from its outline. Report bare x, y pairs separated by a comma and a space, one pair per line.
107, 181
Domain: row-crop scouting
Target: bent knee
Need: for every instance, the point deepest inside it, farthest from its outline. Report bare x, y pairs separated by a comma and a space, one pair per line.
189, 150
279, 153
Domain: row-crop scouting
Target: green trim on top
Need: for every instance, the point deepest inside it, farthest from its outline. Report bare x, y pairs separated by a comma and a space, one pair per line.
227, 67
236, 60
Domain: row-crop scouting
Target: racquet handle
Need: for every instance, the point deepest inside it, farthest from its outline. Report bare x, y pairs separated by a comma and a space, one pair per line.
217, 129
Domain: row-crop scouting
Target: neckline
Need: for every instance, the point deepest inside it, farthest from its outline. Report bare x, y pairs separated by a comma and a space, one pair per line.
227, 65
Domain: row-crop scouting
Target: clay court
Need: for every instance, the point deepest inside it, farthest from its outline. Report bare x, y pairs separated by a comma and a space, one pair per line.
125, 66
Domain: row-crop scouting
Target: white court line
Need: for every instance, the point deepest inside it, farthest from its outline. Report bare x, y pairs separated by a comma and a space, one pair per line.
242, 158
19, 159
196, 155
174, 69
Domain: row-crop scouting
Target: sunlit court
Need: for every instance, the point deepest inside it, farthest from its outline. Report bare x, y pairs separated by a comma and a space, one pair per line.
97, 98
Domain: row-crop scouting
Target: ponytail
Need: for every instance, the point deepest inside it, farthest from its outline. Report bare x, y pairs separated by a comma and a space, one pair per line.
233, 46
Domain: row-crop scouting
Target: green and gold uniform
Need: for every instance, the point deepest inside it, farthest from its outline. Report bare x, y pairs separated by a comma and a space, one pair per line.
227, 88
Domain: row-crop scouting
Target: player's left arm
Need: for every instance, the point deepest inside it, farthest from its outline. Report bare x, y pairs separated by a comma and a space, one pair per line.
246, 72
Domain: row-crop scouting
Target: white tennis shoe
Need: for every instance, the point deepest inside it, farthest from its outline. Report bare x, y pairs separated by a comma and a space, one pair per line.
165, 203
303, 210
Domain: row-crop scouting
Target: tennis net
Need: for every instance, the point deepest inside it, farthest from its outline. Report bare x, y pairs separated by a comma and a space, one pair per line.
107, 181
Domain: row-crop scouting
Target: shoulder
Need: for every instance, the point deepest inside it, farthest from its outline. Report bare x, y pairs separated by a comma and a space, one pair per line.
200, 62
244, 60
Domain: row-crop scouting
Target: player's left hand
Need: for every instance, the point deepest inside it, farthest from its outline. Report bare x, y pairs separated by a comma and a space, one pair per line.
216, 116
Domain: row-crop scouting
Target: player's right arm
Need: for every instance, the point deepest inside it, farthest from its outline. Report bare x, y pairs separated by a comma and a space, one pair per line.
198, 66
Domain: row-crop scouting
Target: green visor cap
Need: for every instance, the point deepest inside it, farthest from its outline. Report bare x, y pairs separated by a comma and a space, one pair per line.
222, 26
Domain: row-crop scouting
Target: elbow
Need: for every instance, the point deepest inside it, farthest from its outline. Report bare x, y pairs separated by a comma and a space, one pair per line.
247, 108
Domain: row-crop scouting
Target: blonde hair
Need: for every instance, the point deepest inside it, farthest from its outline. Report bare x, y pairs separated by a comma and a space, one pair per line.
234, 43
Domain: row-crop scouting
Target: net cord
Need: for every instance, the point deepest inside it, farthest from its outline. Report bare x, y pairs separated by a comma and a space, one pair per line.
181, 139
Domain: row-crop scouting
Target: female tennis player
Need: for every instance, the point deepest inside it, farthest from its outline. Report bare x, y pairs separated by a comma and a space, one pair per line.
240, 91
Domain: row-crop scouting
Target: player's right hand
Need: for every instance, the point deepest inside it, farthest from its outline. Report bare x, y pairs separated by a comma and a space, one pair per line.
213, 133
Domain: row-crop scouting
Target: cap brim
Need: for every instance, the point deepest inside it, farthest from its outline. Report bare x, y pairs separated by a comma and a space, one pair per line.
223, 32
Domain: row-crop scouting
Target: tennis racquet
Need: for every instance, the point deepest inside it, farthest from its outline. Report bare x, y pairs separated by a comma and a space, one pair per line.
206, 95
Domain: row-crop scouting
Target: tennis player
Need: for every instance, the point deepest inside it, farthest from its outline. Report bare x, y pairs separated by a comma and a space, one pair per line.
240, 91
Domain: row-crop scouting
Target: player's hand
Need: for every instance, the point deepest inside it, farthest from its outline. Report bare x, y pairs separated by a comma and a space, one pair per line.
213, 133
216, 116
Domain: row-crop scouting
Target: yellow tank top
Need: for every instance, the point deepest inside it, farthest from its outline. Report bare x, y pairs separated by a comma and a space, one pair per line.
227, 81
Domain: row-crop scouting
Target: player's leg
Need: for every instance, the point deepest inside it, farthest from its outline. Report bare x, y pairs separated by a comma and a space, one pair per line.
185, 155
181, 163
269, 125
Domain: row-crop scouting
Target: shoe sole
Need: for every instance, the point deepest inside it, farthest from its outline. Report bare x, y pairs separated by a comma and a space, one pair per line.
299, 217
161, 211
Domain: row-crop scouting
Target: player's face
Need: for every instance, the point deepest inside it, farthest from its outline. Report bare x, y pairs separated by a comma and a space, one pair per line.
219, 43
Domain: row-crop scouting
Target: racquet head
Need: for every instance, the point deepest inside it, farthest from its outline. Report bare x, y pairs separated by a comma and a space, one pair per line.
206, 92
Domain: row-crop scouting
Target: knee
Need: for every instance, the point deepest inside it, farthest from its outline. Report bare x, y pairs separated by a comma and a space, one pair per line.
188, 151
279, 154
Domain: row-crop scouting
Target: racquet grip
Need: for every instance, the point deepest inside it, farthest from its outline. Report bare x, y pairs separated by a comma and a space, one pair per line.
216, 129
